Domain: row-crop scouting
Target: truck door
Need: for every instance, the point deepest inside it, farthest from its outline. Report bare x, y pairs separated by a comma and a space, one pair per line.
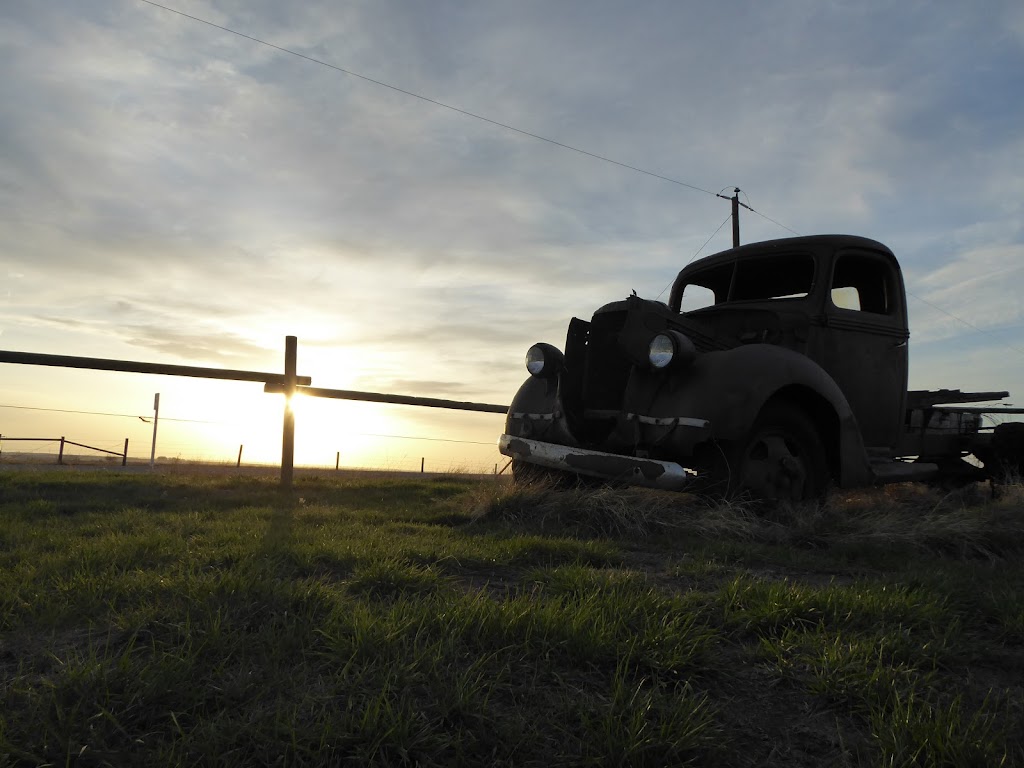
866, 347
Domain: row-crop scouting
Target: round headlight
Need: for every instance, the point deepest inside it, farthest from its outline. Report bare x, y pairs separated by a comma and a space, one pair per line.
535, 360
670, 348
543, 360
661, 351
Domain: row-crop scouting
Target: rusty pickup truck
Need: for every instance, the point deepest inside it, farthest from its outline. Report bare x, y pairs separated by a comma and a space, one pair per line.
776, 369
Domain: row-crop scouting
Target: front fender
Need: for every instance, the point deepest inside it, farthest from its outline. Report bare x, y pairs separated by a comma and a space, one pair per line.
536, 412
729, 388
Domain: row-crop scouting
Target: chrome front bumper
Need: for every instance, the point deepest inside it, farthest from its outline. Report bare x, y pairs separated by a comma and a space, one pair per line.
610, 466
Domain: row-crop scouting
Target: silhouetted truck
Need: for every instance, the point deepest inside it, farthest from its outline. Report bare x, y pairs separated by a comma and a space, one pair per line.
776, 369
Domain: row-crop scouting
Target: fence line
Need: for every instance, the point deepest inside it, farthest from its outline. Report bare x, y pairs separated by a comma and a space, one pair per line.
289, 383
379, 397
407, 464
134, 366
64, 441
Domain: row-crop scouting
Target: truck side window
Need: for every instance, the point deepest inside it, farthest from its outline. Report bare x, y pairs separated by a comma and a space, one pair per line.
696, 297
707, 288
846, 297
862, 283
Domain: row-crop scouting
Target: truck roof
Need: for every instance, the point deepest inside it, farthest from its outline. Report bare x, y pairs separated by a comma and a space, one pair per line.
813, 243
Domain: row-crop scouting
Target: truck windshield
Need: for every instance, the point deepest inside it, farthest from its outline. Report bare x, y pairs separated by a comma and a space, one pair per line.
758, 279
778, 277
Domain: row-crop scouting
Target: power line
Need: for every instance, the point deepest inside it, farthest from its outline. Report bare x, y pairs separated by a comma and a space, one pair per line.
773, 221
750, 207
707, 241
97, 413
459, 110
965, 322
416, 437
697, 252
200, 421
512, 128
429, 100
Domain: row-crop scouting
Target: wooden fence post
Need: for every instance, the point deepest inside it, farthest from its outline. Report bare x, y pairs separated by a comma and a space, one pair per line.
124, 457
288, 431
337, 460
60, 454
239, 462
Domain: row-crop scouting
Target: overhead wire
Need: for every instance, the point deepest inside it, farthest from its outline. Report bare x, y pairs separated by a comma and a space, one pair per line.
459, 110
417, 437
724, 221
98, 413
147, 419
697, 253
965, 322
773, 221
750, 207
429, 100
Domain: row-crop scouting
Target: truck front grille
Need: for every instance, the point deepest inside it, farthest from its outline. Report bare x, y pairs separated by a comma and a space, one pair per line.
596, 373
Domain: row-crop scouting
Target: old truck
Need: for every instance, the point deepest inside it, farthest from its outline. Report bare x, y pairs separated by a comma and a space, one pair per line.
776, 369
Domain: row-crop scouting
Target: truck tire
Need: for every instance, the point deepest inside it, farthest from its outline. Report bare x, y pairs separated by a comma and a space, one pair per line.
782, 458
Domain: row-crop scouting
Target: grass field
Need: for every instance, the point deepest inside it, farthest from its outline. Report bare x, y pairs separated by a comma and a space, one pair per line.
175, 619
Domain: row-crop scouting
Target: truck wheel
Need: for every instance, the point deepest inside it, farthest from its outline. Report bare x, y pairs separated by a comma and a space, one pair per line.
782, 458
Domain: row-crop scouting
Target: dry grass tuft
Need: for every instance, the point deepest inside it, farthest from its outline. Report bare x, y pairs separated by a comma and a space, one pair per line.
965, 523
608, 511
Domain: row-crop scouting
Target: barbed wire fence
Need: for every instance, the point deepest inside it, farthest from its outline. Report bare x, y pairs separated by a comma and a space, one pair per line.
370, 451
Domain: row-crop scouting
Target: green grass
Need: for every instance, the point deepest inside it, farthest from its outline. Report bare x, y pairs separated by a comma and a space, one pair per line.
208, 620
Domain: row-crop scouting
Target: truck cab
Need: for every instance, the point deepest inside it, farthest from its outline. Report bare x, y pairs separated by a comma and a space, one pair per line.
839, 301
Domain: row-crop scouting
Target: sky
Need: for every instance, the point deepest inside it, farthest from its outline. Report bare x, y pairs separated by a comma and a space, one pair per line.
173, 192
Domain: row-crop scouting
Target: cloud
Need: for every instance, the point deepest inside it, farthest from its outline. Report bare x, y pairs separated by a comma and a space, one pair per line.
979, 288
218, 347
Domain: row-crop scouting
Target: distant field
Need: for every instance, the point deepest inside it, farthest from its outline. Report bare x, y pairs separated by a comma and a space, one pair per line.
181, 618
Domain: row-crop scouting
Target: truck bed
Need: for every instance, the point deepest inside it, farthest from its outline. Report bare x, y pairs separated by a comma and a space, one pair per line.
927, 398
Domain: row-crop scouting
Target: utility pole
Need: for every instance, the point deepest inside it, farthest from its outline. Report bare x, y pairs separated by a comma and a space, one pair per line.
735, 200
156, 419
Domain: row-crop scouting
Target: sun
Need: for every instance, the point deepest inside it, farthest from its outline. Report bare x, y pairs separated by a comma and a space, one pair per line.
216, 420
